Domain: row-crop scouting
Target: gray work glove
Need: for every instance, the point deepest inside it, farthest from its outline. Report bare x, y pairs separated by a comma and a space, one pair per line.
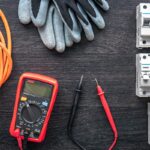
75, 12
52, 30
54, 33
75, 15
26, 14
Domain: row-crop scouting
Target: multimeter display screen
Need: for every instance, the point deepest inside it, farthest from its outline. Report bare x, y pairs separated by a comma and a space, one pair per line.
37, 88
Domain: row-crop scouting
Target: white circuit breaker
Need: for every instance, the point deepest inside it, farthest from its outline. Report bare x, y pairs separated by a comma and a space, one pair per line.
143, 25
143, 75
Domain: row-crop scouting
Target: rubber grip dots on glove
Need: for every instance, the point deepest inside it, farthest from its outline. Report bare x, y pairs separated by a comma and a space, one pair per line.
5, 52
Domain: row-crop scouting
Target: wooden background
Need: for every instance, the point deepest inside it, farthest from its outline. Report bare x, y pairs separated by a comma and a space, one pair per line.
110, 58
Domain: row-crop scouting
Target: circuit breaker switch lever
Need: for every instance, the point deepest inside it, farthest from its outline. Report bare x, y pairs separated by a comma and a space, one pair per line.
146, 22
145, 77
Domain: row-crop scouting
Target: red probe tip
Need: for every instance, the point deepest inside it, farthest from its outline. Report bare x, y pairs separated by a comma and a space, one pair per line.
96, 81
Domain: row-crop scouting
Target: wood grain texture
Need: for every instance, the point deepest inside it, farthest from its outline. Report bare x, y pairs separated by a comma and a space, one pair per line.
110, 58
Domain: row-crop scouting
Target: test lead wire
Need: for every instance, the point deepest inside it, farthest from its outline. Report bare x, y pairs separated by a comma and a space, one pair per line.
73, 112
108, 114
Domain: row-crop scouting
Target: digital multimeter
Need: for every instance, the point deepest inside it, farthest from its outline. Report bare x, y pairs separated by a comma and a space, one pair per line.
34, 103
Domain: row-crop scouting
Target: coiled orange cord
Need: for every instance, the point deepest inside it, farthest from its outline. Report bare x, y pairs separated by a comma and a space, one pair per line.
5, 52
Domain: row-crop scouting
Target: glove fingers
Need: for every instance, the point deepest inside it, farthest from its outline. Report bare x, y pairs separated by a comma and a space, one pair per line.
76, 31
87, 28
68, 37
103, 4
24, 11
59, 32
63, 8
98, 19
71, 23
47, 31
85, 4
40, 19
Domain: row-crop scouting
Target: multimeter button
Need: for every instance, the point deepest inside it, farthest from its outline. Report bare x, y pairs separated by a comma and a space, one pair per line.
28, 129
37, 132
22, 132
23, 99
32, 135
45, 104
45, 112
21, 123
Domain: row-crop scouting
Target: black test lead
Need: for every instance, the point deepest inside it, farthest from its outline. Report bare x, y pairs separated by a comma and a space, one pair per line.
73, 112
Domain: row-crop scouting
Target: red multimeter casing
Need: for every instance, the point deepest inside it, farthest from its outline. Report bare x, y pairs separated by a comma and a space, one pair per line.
46, 106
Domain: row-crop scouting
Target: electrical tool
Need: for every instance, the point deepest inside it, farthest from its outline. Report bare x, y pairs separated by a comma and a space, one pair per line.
6, 63
34, 103
143, 81
148, 112
106, 109
78, 91
143, 75
143, 25
143, 59
108, 114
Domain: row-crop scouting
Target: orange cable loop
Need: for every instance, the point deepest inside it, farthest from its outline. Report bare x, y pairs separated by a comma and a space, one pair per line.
6, 63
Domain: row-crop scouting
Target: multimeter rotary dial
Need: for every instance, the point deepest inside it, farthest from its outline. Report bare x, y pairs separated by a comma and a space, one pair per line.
31, 113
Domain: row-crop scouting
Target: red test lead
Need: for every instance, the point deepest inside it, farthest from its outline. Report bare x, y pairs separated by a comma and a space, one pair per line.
108, 114
20, 145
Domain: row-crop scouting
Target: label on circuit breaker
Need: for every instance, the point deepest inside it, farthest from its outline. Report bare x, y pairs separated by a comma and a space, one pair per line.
145, 67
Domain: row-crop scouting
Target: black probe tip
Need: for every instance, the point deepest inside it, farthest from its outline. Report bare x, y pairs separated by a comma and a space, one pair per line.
81, 80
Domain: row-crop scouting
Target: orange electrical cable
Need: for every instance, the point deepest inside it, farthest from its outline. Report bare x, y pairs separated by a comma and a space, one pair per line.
5, 52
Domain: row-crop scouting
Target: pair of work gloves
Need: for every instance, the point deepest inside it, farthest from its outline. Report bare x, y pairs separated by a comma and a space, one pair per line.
60, 22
